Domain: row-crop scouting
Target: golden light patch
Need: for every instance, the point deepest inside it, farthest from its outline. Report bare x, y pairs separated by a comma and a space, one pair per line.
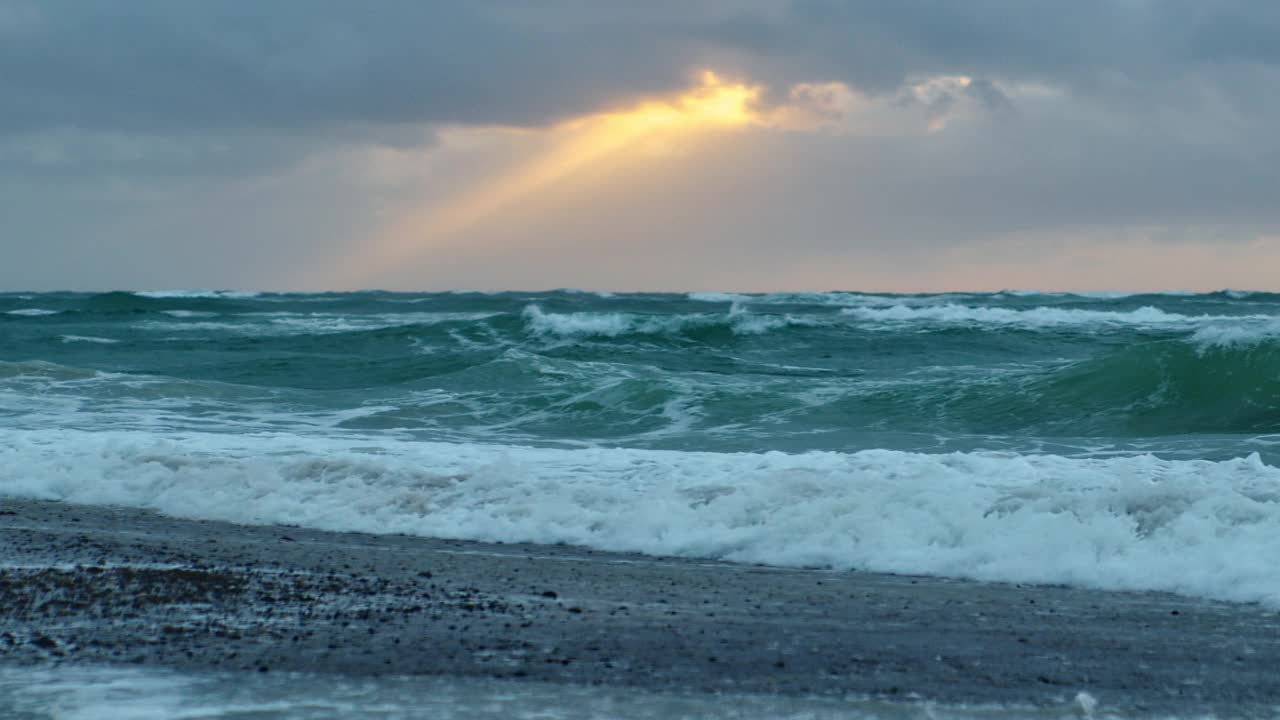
713, 104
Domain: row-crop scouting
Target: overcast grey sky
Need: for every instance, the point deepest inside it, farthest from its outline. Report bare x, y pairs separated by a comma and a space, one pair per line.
897, 145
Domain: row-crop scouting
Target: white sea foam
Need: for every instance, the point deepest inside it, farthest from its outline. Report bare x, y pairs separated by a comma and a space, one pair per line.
930, 302
224, 294
92, 692
1095, 294
1236, 335
605, 294
586, 324
1240, 294
192, 326
1190, 526
190, 313
614, 324
290, 323
952, 313
87, 339
32, 312
720, 297
812, 298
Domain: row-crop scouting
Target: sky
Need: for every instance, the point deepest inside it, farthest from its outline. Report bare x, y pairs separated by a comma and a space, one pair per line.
752, 145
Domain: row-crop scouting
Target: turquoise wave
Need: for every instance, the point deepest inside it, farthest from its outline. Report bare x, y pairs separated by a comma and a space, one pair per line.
703, 371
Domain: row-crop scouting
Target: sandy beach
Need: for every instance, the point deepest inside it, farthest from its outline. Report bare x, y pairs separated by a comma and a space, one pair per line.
105, 585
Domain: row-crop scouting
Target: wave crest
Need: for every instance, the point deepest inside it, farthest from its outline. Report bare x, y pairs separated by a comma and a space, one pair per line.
618, 324
199, 294
1038, 317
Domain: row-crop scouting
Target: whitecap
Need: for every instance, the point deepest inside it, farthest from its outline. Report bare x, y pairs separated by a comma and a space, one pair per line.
952, 313
616, 324
32, 312
87, 339
719, 297
221, 294
1236, 335
605, 294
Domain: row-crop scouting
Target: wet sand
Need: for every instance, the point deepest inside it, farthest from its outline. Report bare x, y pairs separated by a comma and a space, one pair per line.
93, 585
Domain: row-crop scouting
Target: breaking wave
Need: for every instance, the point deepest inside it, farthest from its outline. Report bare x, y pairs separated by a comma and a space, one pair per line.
1038, 317
219, 294
1197, 527
616, 324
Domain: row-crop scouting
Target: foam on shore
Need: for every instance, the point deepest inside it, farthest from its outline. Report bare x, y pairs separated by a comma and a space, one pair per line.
1196, 527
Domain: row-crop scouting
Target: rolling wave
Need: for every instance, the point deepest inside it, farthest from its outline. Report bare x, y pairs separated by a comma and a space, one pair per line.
1154, 388
1183, 386
1144, 389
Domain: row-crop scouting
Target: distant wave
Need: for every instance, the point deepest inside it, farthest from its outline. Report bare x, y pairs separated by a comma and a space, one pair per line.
605, 294
126, 304
720, 297
190, 313
32, 312
87, 339
797, 298
45, 370
1037, 317
291, 323
224, 294
862, 299
1248, 294
617, 324
1138, 523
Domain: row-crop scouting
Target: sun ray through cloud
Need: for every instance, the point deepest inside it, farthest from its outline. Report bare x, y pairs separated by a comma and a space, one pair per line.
714, 104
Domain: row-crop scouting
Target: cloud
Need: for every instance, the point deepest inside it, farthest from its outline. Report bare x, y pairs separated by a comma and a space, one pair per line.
160, 65
316, 69
71, 154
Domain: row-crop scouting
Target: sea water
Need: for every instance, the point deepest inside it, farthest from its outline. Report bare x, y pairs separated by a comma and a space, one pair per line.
1115, 440
1118, 441
128, 693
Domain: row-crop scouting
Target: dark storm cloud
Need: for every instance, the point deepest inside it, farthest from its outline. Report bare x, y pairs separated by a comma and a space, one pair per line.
64, 154
1079, 43
161, 65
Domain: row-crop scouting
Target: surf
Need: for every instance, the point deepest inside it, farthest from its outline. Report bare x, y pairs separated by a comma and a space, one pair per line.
1198, 527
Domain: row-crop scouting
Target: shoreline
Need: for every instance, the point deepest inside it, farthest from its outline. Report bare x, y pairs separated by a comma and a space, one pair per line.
92, 584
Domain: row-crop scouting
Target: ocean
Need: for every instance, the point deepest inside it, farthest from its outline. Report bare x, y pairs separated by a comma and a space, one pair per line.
1111, 440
